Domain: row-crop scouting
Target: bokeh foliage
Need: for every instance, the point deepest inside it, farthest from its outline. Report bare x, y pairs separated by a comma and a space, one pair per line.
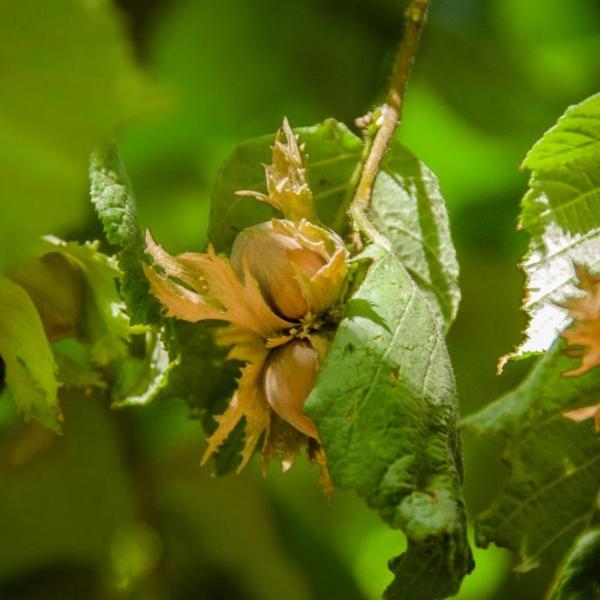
491, 77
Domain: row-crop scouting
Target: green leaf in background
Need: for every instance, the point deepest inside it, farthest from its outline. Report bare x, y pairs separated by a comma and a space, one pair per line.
551, 494
98, 317
408, 208
30, 368
385, 406
74, 289
579, 576
544, 394
67, 79
561, 212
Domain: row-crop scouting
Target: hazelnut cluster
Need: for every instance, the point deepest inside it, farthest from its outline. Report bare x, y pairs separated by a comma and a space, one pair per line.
276, 291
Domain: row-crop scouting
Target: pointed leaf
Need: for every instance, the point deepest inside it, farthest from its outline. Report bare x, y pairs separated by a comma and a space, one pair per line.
385, 407
575, 137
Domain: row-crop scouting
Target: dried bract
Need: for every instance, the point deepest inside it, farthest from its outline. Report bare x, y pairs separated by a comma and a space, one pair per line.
583, 336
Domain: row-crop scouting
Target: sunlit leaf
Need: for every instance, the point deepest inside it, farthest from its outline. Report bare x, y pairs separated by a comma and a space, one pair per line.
576, 137
408, 208
385, 407
561, 212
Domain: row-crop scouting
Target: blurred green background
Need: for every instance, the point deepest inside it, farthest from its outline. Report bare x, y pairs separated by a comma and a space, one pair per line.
118, 507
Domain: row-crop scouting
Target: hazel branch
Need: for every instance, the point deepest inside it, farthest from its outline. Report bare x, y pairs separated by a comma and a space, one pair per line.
389, 114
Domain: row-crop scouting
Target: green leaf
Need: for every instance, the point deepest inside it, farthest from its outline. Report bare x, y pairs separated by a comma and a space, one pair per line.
67, 79
333, 153
141, 378
385, 406
113, 199
579, 576
408, 208
30, 369
551, 494
146, 377
75, 366
561, 212
555, 463
576, 137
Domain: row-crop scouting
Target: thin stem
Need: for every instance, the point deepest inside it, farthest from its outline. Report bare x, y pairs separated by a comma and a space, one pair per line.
389, 113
